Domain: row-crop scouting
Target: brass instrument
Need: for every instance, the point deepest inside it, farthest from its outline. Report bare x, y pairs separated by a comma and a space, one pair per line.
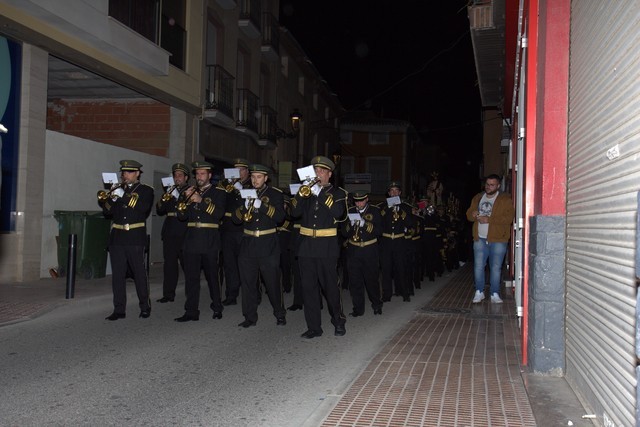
104, 195
305, 189
167, 195
248, 215
182, 206
229, 184
396, 215
356, 234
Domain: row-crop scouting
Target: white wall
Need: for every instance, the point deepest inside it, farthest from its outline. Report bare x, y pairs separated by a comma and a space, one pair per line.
73, 176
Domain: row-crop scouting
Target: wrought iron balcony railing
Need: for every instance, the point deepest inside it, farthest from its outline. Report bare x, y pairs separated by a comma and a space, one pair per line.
219, 90
247, 109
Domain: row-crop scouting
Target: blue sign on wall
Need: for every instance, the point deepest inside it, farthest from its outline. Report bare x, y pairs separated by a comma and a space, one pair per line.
10, 63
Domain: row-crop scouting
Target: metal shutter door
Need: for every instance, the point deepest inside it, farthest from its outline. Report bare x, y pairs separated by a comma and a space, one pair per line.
602, 185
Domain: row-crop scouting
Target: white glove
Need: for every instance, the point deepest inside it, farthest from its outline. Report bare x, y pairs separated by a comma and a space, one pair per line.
118, 192
316, 189
257, 203
237, 186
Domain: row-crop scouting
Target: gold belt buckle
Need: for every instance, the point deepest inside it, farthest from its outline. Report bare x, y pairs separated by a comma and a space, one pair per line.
126, 227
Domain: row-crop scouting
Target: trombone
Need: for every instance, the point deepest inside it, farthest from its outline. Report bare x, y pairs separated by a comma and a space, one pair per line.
104, 195
305, 189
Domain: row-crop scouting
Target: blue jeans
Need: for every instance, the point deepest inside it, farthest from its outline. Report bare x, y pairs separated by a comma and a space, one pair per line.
494, 252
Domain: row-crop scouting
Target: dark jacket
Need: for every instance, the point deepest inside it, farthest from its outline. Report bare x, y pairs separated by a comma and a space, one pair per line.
132, 208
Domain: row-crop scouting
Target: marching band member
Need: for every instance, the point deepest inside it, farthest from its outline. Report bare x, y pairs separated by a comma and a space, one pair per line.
128, 206
202, 207
173, 232
320, 207
259, 255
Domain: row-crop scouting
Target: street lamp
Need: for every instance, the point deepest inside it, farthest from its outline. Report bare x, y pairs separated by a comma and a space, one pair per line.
295, 117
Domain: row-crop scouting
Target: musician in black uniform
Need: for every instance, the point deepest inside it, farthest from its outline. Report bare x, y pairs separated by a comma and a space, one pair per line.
128, 207
231, 232
318, 250
260, 248
202, 207
396, 221
431, 243
416, 263
363, 259
173, 231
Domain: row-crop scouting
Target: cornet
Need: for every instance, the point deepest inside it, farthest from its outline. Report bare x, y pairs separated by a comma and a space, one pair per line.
305, 189
182, 206
248, 215
104, 195
167, 195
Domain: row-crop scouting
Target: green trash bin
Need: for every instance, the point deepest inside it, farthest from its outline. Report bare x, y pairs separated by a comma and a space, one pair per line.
92, 229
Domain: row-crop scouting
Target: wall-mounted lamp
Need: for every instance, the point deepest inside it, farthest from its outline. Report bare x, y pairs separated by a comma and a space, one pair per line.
295, 117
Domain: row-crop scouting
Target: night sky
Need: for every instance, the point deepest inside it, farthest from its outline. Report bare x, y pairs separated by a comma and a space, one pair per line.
406, 59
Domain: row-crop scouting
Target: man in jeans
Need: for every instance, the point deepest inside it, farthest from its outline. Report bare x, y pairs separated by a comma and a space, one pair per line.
492, 215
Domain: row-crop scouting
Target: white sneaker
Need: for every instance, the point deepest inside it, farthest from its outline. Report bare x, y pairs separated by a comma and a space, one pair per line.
495, 298
479, 296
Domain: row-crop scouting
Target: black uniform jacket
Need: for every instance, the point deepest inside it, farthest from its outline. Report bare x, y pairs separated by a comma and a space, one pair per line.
129, 215
362, 241
172, 227
395, 227
203, 220
320, 213
264, 219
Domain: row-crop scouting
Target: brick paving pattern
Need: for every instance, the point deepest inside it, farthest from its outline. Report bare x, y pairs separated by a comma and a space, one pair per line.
454, 364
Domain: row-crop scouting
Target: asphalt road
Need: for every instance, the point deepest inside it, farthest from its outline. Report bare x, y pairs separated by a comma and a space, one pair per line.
72, 367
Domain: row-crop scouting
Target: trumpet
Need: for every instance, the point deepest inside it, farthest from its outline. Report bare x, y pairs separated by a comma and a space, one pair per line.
396, 215
182, 206
167, 195
305, 189
248, 215
229, 184
104, 195
356, 234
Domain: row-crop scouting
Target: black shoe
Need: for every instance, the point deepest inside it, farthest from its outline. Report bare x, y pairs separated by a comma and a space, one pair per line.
115, 316
246, 323
406, 299
230, 301
355, 314
294, 307
311, 334
377, 311
187, 318
340, 331
145, 313
217, 315
281, 321
164, 299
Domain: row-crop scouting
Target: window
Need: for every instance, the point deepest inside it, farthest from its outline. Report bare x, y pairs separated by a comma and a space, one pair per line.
346, 137
215, 42
380, 170
378, 138
165, 27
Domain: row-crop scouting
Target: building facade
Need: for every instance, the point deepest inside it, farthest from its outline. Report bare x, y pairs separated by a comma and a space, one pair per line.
159, 82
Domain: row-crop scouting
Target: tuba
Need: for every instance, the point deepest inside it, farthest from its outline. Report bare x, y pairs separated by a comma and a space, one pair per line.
104, 195
305, 189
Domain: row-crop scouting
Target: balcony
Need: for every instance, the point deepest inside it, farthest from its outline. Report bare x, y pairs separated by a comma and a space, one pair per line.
268, 128
247, 108
270, 37
219, 95
249, 20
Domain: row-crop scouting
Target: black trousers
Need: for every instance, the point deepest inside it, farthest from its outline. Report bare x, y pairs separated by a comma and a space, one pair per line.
316, 274
230, 251
394, 271
268, 268
363, 274
132, 256
193, 265
172, 253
